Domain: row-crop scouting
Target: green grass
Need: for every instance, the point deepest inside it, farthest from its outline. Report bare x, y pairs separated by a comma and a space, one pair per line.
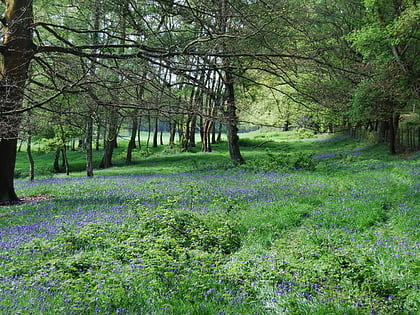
191, 233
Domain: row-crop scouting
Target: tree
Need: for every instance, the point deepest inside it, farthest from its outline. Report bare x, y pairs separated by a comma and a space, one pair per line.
389, 43
16, 50
207, 48
218, 24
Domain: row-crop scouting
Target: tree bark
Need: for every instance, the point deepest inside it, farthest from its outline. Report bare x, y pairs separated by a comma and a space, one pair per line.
206, 136
213, 134
149, 130
219, 133
155, 133
65, 160
382, 131
30, 158
14, 64
98, 136
232, 119
110, 139
56, 164
89, 140
192, 131
139, 134
393, 130
106, 161
185, 140
7, 167
172, 132
132, 142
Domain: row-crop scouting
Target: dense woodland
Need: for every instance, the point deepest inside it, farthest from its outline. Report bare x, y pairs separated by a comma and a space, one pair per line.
96, 70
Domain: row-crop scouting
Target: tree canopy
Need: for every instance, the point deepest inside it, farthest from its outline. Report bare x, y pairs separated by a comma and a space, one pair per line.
87, 68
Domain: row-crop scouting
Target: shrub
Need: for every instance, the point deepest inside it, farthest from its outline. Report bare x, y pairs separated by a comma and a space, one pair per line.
282, 162
303, 133
304, 161
210, 233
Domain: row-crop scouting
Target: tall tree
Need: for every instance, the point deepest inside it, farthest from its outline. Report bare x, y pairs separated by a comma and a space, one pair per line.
16, 52
388, 42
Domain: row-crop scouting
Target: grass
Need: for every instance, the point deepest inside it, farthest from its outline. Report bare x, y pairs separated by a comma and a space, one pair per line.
180, 233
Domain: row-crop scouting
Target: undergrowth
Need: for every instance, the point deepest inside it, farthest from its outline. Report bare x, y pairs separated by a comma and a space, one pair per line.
284, 234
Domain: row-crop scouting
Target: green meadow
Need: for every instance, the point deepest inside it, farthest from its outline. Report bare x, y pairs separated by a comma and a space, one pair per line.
326, 225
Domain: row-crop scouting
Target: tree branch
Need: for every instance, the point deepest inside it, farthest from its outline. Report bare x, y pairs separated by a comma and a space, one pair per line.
49, 26
46, 101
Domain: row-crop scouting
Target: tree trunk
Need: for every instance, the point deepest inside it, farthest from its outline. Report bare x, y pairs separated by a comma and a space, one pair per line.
88, 145
233, 142
98, 137
149, 130
229, 81
382, 131
17, 53
156, 133
393, 130
30, 158
180, 132
106, 161
172, 132
132, 143
109, 141
7, 167
139, 134
114, 141
206, 136
185, 140
56, 164
232, 119
192, 131
219, 133
65, 160
213, 134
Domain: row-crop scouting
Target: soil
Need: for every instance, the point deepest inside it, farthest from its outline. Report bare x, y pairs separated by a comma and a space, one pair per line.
26, 199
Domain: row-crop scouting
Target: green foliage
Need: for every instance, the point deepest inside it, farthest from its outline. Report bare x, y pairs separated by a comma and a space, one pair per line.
282, 162
158, 250
212, 233
341, 238
303, 133
371, 42
387, 43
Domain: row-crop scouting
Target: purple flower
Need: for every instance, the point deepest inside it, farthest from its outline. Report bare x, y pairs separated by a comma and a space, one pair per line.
210, 291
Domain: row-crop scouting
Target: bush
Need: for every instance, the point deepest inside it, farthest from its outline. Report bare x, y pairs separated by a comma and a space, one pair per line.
212, 233
303, 133
282, 162
160, 254
304, 161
